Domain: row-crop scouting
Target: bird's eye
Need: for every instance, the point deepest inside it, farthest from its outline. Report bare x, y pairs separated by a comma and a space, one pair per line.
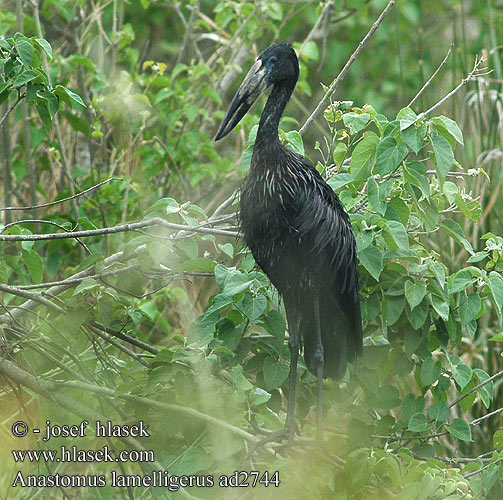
273, 60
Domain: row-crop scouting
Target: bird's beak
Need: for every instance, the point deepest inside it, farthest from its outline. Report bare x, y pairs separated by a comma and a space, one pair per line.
253, 85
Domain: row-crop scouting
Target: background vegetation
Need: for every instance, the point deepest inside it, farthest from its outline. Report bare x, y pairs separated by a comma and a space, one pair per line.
127, 296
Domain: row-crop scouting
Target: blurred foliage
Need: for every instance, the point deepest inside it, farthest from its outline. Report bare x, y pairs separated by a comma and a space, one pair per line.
171, 322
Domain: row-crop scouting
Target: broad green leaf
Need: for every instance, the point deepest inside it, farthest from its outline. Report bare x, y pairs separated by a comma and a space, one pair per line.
399, 234
414, 136
441, 306
35, 265
355, 121
495, 282
443, 155
389, 155
439, 411
415, 173
451, 126
498, 439
457, 233
258, 396
340, 180
462, 375
295, 140
411, 405
25, 77
469, 307
418, 316
497, 338
430, 371
414, 293
392, 309
363, 157
86, 285
253, 305
408, 118
372, 260
275, 324
200, 264
25, 51
46, 46
275, 372
460, 429
375, 196
462, 280
417, 423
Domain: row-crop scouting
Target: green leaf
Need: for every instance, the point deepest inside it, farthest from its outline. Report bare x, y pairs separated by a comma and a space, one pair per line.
469, 307
363, 156
389, 155
462, 280
497, 338
441, 306
275, 324
372, 260
417, 423
392, 309
71, 98
86, 285
43, 113
340, 180
275, 373
295, 140
457, 233
462, 374
24, 77
407, 119
45, 45
414, 293
376, 196
35, 265
498, 439
258, 396
25, 51
443, 155
411, 405
199, 264
399, 234
414, 136
495, 282
355, 121
460, 429
430, 371
253, 305
439, 412
451, 126
415, 173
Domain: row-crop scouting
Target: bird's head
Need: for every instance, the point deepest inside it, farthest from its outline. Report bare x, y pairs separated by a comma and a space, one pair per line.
276, 64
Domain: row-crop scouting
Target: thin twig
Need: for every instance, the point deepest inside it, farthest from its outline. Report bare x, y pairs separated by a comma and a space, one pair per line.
31, 296
423, 88
476, 388
121, 228
326, 98
92, 188
43, 221
474, 73
11, 109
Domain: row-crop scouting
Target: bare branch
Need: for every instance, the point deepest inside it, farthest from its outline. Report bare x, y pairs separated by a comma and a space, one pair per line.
423, 88
11, 109
476, 388
122, 228
326, 98
474, 73
64, 199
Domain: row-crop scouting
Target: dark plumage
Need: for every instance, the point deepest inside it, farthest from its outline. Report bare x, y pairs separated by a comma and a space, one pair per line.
298, 230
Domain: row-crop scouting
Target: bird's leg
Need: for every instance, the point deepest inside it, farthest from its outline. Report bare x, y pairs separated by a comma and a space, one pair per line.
319, 360
293, 344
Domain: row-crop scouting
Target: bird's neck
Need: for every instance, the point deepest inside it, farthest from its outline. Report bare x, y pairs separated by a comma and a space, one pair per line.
267, 132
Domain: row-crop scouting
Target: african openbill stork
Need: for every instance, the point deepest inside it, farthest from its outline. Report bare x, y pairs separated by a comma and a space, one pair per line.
298, 232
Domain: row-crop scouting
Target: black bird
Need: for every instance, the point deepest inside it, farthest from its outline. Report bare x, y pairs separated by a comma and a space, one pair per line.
298, 232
